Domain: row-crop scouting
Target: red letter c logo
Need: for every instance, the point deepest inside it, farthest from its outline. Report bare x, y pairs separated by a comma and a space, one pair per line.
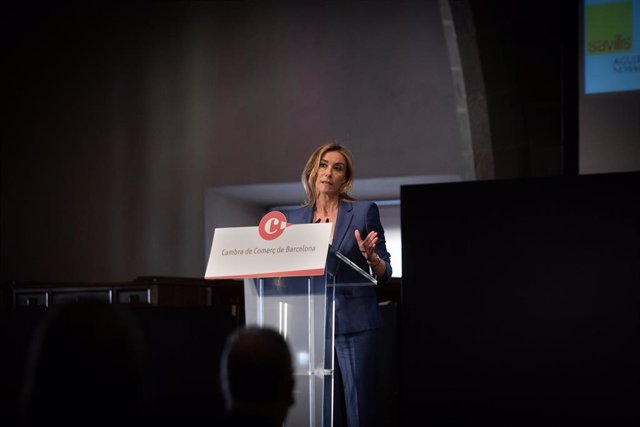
272, 225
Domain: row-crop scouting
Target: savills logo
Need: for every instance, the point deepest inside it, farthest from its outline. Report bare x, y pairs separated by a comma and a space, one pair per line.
608, 27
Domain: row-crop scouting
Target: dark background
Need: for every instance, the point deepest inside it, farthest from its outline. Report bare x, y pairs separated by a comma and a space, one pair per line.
120, 116
521, 302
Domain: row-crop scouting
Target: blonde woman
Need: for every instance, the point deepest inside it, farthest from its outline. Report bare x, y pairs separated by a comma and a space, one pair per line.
358, 234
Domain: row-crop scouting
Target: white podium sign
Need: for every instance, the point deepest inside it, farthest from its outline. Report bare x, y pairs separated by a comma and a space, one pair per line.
273, 249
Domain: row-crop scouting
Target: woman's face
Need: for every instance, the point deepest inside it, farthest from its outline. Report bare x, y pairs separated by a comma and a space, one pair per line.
332, 173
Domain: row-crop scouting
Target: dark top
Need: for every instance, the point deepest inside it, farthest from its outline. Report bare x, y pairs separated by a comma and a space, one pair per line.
356, 306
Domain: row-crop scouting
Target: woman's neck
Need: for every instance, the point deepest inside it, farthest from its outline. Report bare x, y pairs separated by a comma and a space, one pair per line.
326, 206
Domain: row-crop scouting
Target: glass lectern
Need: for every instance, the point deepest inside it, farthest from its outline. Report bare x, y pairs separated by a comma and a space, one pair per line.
302, 309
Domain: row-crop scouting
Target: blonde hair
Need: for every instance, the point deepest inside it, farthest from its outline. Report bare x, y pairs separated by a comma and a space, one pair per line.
310, 172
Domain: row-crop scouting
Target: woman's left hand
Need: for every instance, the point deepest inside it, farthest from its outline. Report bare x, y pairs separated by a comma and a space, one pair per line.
368, 246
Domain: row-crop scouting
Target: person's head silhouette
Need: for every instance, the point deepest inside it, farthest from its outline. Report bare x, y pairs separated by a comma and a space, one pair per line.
84, 367
256, 377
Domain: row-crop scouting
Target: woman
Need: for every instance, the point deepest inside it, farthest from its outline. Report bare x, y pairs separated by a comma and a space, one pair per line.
358, 234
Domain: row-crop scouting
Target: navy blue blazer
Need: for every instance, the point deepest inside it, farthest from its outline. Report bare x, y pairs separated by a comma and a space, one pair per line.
356, 306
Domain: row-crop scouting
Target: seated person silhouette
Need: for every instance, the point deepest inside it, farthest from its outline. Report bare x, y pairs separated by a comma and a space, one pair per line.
84, 367
256, 375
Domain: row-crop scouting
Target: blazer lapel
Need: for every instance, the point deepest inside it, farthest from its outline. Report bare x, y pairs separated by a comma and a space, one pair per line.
343, 224
307, 215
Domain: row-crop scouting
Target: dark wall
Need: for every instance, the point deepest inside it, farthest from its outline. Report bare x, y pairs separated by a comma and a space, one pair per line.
122, 115
521, 302
521, 52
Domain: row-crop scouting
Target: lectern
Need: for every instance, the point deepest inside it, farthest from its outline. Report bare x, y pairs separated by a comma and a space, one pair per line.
302, 309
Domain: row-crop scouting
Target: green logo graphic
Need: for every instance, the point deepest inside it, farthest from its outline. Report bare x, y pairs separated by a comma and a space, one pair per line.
608, 28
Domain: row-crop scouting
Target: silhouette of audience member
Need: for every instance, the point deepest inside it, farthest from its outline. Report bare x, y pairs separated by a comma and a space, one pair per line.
257, 378
84, 367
